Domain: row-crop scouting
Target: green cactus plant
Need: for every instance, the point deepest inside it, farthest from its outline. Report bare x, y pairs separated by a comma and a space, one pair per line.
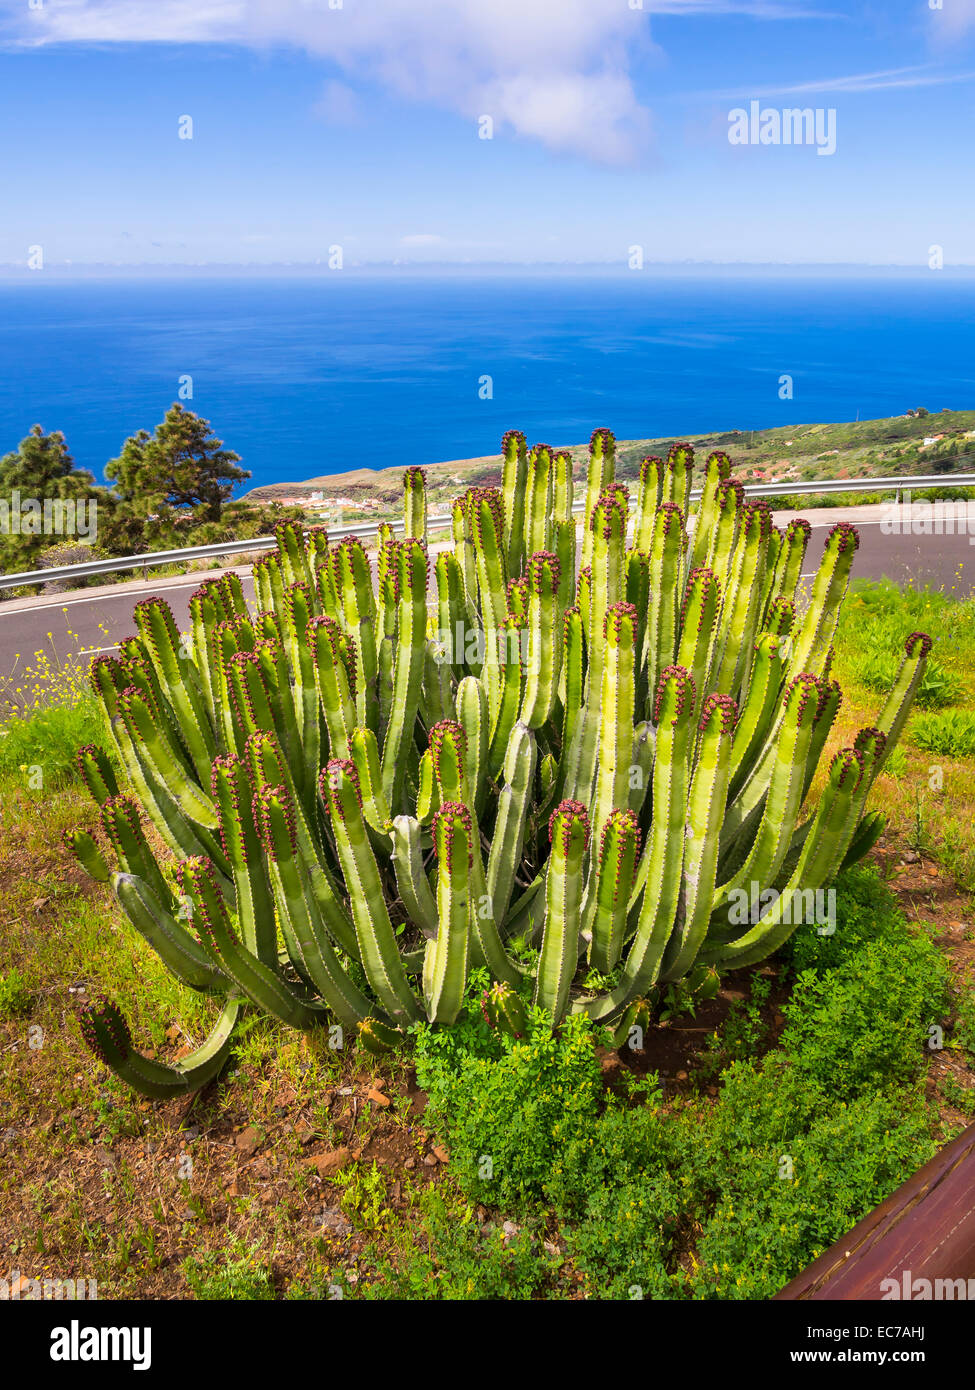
563, 764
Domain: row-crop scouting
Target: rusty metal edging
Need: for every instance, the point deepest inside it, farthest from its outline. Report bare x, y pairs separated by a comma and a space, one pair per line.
923, 1231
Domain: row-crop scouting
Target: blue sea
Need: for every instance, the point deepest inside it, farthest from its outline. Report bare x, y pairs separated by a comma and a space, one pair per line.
309, 376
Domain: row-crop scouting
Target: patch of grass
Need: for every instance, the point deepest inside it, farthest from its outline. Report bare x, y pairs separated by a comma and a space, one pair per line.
743, 1034
957, 1095
928, 795
215, 1277
47, 711
950, 733
16, 999
877, 670
442, 1253
364, 1195
40, 747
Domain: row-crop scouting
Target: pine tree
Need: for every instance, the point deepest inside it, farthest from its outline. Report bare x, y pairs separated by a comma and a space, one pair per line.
181, 466
38, 474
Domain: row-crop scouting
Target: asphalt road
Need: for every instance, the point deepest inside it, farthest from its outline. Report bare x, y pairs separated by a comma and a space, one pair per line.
98, 620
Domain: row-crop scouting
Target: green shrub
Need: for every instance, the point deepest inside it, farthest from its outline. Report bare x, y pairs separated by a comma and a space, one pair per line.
510, 1106
951, 733
866, 910
786, 1196
864, 1025
625, 1243
620, 1148
688, 1198
743, 1034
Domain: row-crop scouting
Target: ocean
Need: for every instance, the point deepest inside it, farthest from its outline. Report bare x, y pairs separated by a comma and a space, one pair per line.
311, 376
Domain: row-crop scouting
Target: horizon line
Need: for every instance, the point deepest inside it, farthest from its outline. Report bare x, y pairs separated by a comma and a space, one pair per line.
13, 270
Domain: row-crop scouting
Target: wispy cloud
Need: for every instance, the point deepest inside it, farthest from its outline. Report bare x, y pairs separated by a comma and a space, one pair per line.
555, 71
856, 82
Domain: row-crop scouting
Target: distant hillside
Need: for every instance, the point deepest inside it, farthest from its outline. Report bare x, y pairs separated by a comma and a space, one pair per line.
792, 453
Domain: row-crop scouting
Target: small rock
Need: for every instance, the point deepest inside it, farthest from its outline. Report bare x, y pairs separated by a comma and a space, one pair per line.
441, 1154
932, 871
410, 1164
429, 1161
328, 1163
192, 1133
248, 1140
345, 1091
551, 1247
910, 856
333, 1220
377, 1097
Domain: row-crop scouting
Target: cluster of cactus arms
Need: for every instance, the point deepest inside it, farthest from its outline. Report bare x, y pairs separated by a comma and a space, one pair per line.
557, 763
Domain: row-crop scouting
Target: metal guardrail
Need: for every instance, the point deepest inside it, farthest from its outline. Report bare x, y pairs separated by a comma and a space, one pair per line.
370, 528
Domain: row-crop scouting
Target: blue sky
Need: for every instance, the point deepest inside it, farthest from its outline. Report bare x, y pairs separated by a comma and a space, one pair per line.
318, 123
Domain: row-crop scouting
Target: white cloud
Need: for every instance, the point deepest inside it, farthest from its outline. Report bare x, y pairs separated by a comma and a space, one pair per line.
856, 82
557, 71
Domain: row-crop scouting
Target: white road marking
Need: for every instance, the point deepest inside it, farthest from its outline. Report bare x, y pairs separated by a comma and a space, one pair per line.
96, 598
